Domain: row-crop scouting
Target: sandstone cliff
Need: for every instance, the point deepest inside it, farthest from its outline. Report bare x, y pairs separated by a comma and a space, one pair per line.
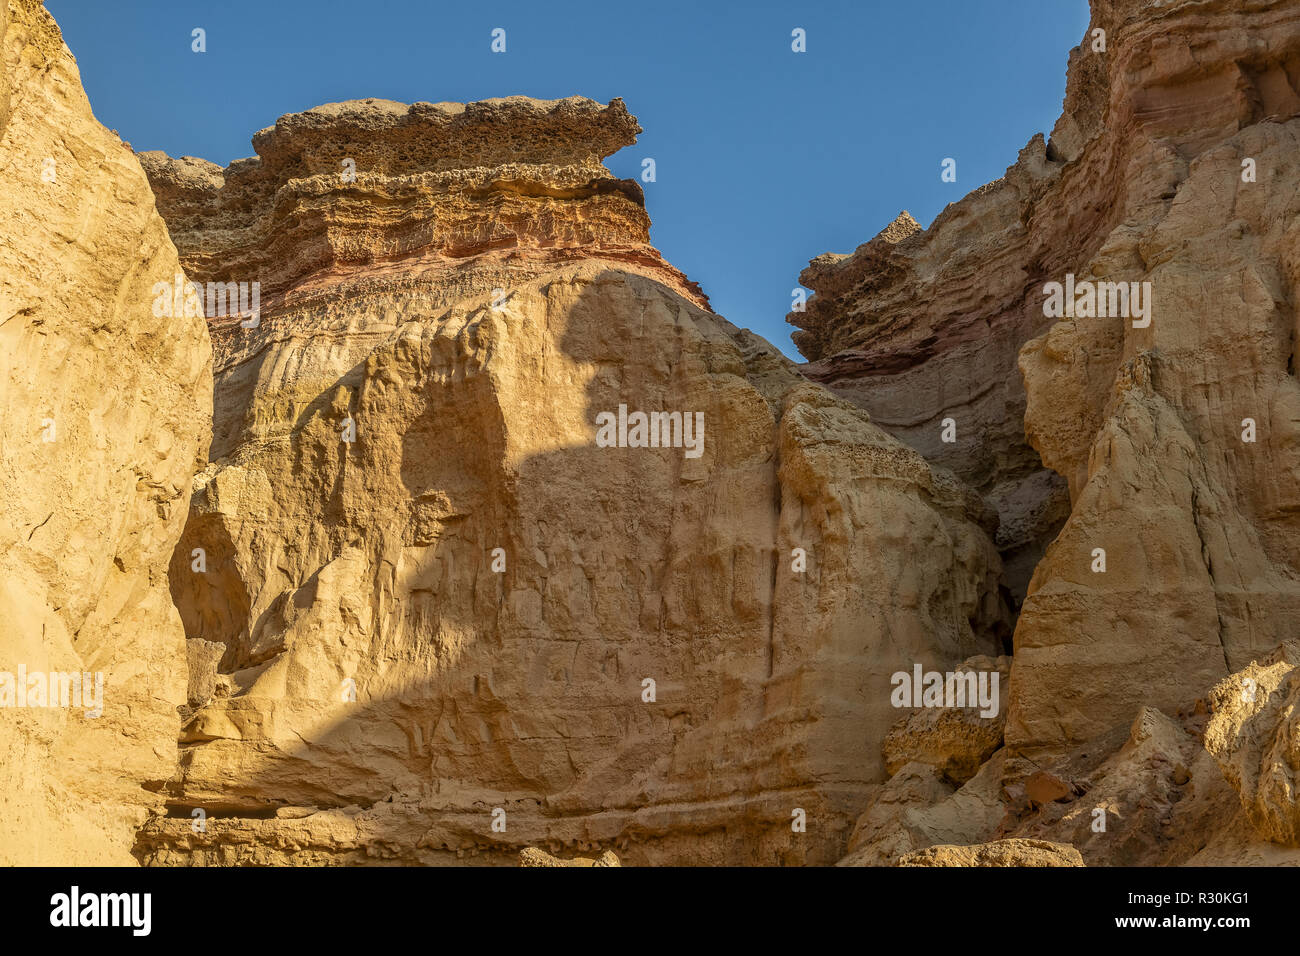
104, 417
372, 578
1176, 441
433, 603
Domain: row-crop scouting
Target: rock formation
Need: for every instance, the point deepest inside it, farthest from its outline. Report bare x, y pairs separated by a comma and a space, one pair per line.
955, 741
1255, 737
439, 619
531, 856
1000, 853
105, 412
416, 510
1172, 421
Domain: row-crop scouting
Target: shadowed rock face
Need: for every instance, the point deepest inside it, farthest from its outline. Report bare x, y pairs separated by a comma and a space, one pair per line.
104, 416
471, 303
428, 614
922, 329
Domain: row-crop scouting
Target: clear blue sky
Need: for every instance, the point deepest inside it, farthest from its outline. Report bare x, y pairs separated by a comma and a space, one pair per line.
765, 157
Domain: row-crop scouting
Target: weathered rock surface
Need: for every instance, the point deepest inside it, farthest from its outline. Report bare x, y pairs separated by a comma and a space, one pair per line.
470, 303
1199, 527
1153, 796
1145, 179
104, 417
1152, 800
999, 853
531, 856
953, 740
917, 808
922, 328
1142, 181
428, 616
1255, 737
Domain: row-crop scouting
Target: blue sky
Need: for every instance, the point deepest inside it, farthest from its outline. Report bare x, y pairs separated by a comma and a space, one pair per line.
764, 157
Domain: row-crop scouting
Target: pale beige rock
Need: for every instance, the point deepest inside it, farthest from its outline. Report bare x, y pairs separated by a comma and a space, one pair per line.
340, 568
1156, 797
1035, 853
1198, 527
1141, 181
1234, 842
953, 740
365, 687
104, 417
531, 856
917, 808
888, 828
1125, 805
1254, 735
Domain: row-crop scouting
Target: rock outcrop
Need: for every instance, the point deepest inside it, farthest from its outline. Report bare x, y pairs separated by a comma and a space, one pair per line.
1175, 426
999, 853
1172, 421
922, 329
415, 510
917, 807
439, 618
1255, 737
531, 856
105, 412
955, 741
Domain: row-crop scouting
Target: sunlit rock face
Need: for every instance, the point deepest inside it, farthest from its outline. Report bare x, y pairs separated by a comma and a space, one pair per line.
1123, 304
415, 510
105, 415
450, 608
1172, 430
1180, 439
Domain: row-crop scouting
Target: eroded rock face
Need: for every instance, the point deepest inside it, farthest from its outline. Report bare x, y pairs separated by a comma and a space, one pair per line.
999, 853
1173, 165
1255, 737
431, 615
1145, 180
922, 329
1148, 424
1154, 799
104, 417
531, 856
953, 740
430, 594
918, 808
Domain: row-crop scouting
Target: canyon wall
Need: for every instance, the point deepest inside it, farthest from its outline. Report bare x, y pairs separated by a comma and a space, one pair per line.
436, 618
345, 494
104, 417
1180, 441
1176, 441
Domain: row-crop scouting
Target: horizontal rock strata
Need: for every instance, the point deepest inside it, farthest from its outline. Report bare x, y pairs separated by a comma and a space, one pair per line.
1172, 166
439, 620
